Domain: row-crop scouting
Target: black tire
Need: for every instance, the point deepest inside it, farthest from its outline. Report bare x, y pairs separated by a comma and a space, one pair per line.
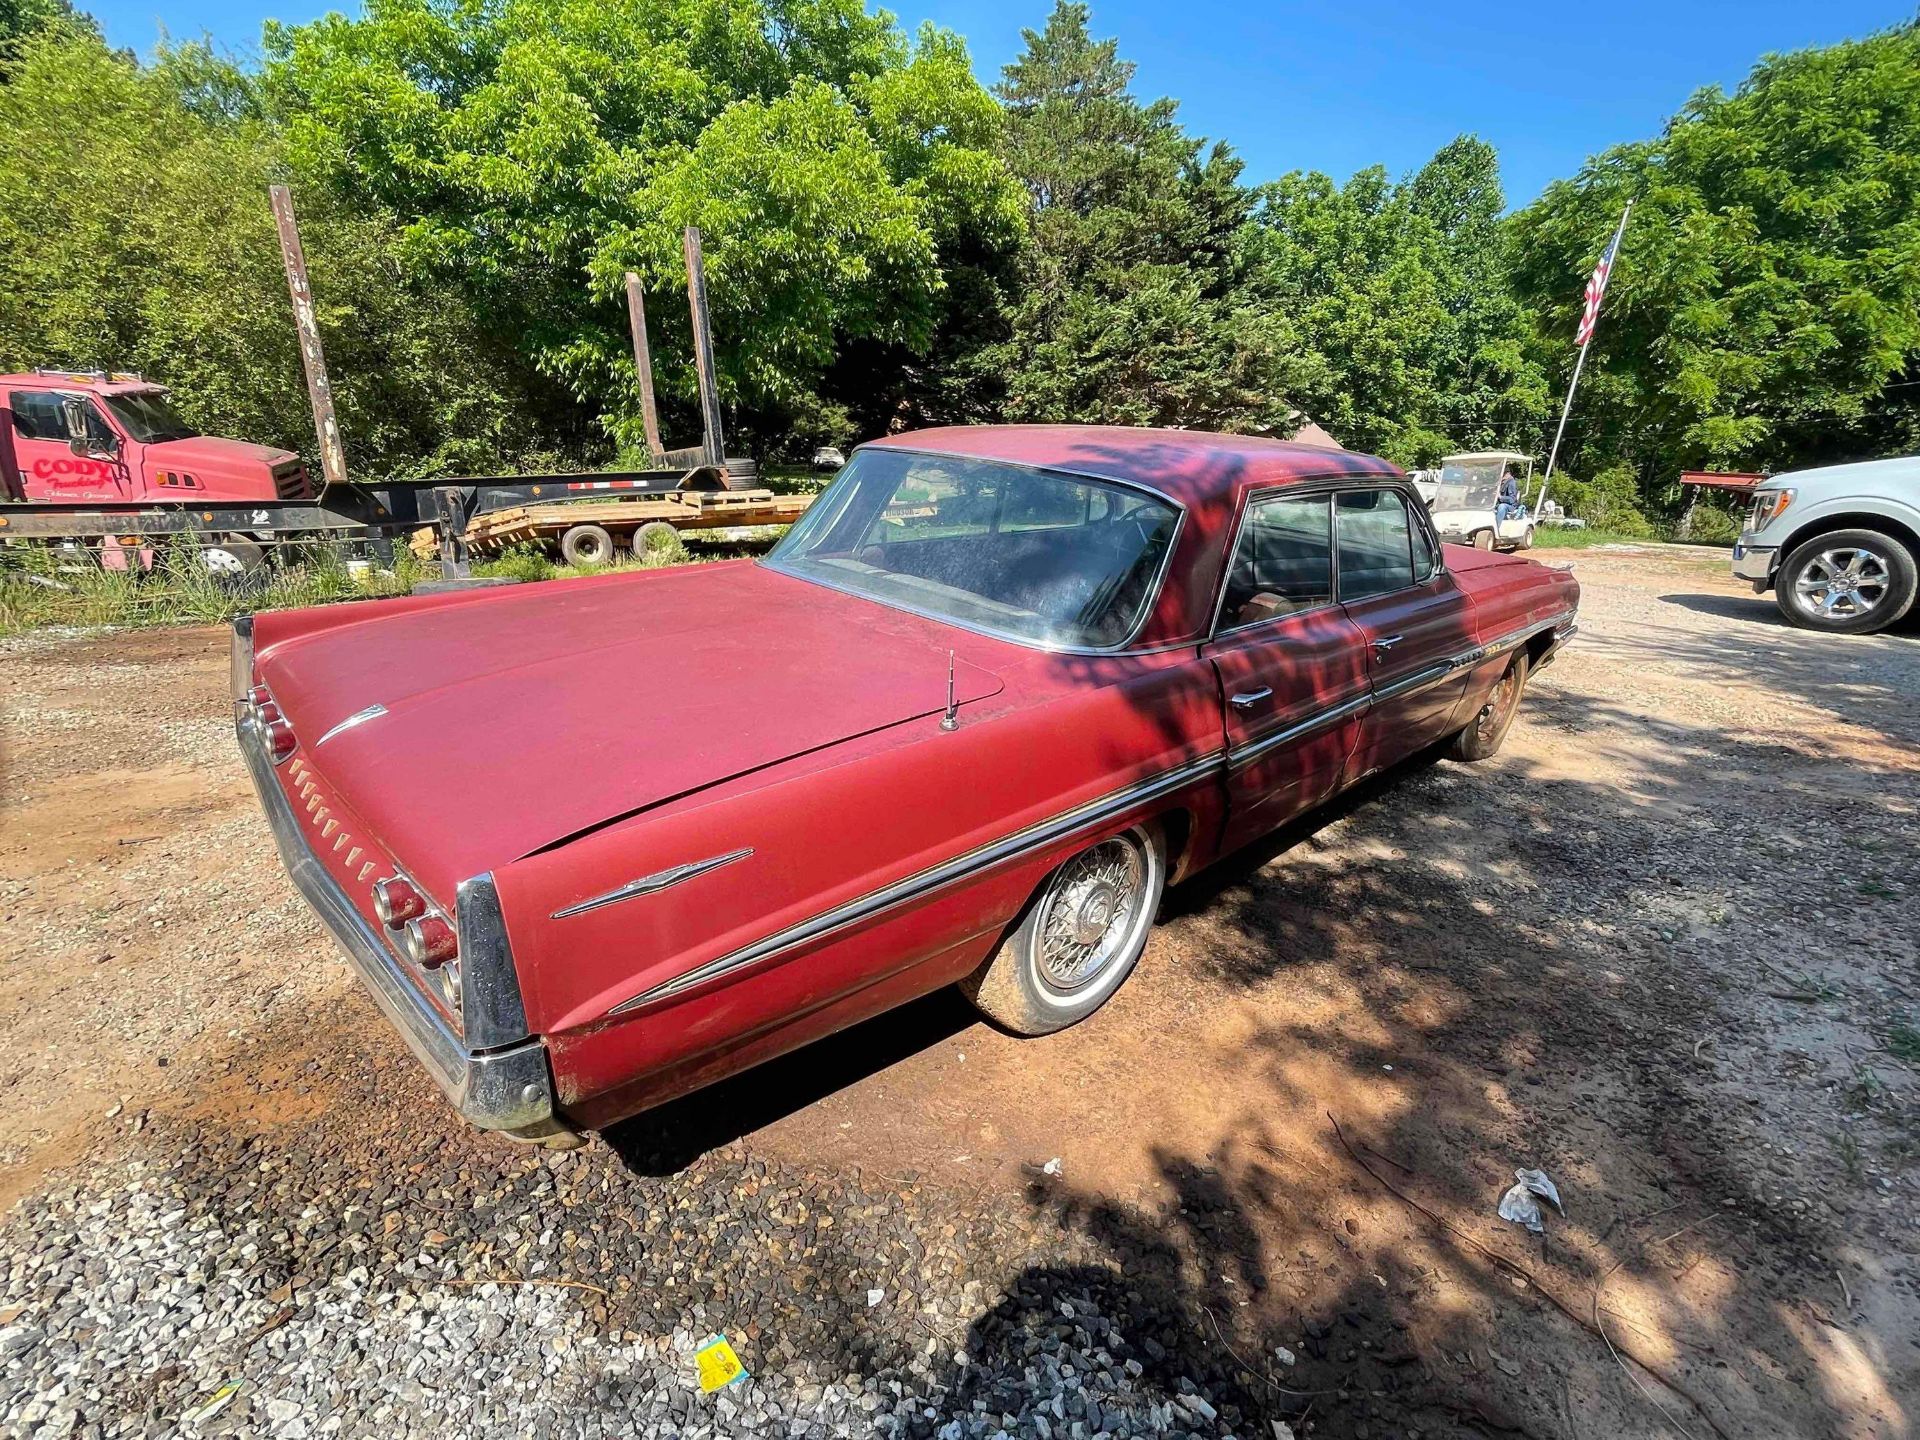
1483, 539
1812, 592
1023, 990
657, 539
742, 474
1481, 737
587, 545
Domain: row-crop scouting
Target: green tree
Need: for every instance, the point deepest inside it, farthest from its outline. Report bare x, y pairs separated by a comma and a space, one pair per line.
1128, 309
543, 149
1765, 309
135, 233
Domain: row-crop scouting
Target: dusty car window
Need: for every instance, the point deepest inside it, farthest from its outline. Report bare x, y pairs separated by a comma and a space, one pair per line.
1375, 553
1030, 554
1283, 561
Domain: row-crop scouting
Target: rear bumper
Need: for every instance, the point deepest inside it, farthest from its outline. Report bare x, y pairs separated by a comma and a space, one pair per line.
1754, 562
505, 1087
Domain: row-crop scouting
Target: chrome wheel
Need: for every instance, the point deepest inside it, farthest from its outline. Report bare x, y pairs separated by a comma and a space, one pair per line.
1843, 583
1092, 914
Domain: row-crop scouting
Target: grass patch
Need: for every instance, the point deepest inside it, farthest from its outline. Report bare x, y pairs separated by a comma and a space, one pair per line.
40, 587
1903, 1043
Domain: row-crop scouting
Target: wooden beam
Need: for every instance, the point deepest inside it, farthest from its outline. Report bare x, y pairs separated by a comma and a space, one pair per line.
713, 441
333, 456
643, 362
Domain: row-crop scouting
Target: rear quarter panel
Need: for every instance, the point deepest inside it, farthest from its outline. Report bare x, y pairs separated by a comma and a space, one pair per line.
826, 830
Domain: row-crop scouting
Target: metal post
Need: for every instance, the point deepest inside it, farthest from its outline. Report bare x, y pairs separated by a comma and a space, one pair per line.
714, 445
643, 366
1565, 410
450, 519
333, 458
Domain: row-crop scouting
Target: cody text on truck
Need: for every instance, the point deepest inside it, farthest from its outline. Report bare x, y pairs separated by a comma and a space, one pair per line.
995, 690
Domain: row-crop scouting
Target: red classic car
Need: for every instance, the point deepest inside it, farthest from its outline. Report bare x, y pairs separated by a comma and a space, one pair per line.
593, 845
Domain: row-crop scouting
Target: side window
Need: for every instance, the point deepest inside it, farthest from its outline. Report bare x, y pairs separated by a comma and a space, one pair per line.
1376, 553
1282, 563
36, 415
1425, 560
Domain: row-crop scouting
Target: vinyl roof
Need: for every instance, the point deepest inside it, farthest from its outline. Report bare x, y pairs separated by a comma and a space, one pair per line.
1189, 466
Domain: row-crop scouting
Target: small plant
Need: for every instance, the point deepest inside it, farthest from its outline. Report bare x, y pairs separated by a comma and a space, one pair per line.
1875, 890
1848, 1149
1903, 1042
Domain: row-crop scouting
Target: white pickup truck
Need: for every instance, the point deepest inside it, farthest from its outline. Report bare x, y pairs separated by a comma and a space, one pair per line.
1838, 546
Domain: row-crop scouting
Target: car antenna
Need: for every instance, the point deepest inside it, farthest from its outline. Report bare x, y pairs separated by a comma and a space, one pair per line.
950, 720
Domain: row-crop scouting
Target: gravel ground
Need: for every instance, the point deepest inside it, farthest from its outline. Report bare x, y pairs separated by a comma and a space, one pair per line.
1664, 948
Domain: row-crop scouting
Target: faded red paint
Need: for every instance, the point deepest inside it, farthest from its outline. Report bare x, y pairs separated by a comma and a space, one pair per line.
571, 738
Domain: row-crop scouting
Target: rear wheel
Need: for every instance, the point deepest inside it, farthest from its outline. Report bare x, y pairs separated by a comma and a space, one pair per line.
658, 540
232, 557
1483, 735
1848, 582
586, 545
1079, 939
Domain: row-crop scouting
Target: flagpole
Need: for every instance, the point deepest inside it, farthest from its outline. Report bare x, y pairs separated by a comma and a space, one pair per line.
1580, 364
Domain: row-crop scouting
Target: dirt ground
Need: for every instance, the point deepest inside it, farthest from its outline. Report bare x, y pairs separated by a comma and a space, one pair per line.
1666, 947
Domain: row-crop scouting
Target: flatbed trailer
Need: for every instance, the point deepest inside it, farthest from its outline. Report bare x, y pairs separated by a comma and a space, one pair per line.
591, 531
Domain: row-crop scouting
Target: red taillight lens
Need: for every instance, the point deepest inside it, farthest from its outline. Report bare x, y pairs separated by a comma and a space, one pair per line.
256, 697
430, 942
396, 902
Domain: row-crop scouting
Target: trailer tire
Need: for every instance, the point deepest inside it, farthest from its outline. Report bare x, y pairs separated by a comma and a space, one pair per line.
658, 541
232, 557
586, 545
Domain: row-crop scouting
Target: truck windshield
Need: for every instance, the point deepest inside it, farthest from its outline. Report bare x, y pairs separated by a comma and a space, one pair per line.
1033, 555
149, 416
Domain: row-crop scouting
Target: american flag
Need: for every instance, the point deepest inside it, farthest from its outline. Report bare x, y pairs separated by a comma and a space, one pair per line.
1597, 283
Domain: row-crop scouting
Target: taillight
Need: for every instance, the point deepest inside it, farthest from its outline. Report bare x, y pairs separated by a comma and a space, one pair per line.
278, 730
430, 942
395, 901
255, 698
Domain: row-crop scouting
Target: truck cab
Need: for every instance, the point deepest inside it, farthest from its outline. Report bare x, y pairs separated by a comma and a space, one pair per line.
96, 437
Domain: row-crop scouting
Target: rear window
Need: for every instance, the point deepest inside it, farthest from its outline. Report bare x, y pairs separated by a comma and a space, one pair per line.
1034, 555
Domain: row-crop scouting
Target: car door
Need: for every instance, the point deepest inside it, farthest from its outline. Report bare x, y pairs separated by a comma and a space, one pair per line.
49, 470
1414, 620
1292, 665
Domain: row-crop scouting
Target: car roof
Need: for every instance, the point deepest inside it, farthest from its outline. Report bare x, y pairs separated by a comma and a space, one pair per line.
1191, 467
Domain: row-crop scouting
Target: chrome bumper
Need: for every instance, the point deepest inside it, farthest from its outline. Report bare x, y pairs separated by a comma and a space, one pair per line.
1755, 562
508, 1086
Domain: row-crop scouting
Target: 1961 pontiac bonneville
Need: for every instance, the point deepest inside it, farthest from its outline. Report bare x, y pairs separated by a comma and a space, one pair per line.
593, 845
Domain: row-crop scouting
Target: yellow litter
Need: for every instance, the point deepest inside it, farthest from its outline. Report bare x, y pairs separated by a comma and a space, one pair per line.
719, 1366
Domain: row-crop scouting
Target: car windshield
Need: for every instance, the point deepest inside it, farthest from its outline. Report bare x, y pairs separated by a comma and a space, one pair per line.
149, 416
1468, 485
1033, 555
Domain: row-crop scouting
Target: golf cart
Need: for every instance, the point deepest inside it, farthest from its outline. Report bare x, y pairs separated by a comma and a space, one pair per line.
1462, 496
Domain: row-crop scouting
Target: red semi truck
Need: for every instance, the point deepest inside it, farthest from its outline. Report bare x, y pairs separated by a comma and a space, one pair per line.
134, 447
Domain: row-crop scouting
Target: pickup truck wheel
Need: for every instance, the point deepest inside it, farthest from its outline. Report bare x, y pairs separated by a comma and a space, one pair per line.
1483, 735
1847, 582
586, 545
1078, 940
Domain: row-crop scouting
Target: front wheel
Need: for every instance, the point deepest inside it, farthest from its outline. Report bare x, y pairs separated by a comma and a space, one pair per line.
1848, 582
1079, 939
1483, 539
1483, 736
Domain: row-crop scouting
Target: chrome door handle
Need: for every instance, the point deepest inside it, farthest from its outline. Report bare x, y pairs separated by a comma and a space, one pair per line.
1387, 642
1247, 699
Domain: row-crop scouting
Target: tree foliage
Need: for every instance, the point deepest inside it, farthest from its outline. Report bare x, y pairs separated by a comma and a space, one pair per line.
543, 149
135, 233
1765, 312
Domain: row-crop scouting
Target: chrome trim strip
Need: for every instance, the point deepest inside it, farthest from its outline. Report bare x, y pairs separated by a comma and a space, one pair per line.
1421, 679
913, 887
1046, 832
654, 883
1253, 749
359, 717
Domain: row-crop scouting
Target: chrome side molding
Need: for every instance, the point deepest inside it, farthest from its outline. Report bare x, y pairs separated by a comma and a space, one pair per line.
359, 717
654, 883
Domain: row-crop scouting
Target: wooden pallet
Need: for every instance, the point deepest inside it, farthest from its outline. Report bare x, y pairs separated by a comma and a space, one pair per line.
682, 509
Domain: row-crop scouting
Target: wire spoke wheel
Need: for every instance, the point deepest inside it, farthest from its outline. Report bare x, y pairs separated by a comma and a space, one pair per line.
1091, 914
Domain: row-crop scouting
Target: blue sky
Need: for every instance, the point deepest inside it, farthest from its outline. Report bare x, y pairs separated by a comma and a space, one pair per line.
1336, 86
